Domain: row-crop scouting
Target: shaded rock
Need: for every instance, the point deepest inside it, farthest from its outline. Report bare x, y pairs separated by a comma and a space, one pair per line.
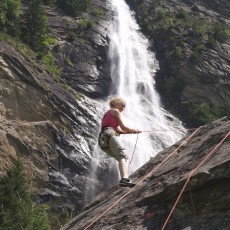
82, 51
46, 120
204, 204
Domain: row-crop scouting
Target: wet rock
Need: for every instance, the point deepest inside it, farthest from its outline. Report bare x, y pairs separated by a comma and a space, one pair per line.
189, 57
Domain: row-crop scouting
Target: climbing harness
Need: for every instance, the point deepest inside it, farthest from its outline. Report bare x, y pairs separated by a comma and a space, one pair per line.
144, 178
104, 137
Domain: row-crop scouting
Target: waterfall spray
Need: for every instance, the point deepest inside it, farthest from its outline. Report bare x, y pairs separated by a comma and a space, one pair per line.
132, 71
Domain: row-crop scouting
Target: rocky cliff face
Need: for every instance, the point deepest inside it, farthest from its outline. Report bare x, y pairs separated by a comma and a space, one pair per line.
51, 122
192, 42
81, 49
203, 156
42, 124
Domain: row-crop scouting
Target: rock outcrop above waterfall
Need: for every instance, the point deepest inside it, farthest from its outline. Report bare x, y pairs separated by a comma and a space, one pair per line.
192, 42
204, 204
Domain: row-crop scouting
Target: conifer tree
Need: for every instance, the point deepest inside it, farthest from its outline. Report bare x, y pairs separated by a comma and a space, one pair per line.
35, 25
17, 210
9, 16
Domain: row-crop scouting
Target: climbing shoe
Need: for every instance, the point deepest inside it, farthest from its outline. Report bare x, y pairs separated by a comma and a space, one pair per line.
126, 182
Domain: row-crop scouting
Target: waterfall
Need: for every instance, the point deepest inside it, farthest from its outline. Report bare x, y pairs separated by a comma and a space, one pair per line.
132, 71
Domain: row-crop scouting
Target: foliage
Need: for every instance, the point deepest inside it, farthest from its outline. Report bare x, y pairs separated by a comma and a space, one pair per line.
24, 49
220, 32
9, 16
73, 7
98, 12
205, 113
35, 28
50, 63
48, 40
17, 210
71, 36
175, 54
47, 60
85, 24
165, 23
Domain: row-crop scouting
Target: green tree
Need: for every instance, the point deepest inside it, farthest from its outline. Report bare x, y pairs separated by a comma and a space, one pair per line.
9, 16
17, 210
73, 7
35, 25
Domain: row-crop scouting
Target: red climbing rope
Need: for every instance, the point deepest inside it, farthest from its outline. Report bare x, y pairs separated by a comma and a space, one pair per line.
126, 194
190, 175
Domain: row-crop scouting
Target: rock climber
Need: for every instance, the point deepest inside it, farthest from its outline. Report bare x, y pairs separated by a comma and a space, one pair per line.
112, 126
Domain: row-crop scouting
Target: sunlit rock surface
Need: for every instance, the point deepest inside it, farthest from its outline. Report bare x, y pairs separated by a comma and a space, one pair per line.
51, 122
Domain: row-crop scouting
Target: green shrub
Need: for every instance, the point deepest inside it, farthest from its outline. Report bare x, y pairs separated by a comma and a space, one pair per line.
176, 54
98, 12
35, 27
205, 113
85, 23
10, 17
17, 210
180, 14
50, 63
21, 47
221, 32
71, 36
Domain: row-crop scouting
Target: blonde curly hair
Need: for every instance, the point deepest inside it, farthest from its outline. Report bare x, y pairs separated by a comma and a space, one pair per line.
116, 100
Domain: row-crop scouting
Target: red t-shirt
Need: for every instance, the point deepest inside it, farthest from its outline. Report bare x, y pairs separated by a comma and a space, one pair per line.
109, 121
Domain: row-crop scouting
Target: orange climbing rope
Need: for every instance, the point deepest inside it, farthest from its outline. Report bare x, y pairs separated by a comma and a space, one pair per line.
191, 173
134, 149
126, 194
154, 130
164, 130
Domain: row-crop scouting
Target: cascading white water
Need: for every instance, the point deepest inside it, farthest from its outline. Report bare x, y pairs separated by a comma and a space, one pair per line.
132, 71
